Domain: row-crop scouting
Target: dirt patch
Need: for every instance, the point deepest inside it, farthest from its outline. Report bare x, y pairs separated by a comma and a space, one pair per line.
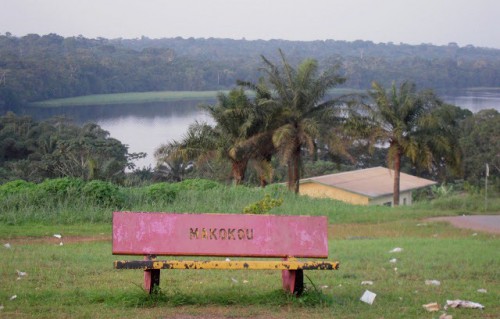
483, 223
57, 241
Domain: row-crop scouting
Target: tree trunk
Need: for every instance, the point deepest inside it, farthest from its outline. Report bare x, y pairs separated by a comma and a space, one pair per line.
397, 174
238, 171
290, 175
294, 171
263, 180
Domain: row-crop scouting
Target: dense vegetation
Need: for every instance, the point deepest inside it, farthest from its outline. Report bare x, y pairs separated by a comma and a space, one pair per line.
34, 67
34, 151
73, 201
289, 115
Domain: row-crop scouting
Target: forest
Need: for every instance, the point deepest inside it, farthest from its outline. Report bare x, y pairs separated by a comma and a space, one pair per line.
39, 67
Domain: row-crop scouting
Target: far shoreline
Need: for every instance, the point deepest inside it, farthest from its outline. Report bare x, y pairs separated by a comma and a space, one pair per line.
148, 97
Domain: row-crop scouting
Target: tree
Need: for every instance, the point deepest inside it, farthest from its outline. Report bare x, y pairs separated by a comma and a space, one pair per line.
233, 138
55, 148
412, 124
480, 140
298, 100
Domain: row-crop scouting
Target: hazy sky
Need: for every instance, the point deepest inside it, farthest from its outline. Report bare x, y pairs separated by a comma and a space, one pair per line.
475, 22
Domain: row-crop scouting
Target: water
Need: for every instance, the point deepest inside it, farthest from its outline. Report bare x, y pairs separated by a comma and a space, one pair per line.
144, 127
473, 99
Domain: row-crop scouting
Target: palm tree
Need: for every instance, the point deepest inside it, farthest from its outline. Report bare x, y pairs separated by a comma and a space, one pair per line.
412, 124
297, 98
235, 136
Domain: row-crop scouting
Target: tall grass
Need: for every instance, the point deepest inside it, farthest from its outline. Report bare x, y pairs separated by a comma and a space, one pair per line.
66, 201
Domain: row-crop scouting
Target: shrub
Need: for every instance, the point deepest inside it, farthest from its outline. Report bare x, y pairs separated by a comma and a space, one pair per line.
263, 206
198, 184
16, 187
160, 192
62, 186
103, 193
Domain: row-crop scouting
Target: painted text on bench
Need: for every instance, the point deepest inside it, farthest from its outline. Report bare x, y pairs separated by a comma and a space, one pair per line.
221, 233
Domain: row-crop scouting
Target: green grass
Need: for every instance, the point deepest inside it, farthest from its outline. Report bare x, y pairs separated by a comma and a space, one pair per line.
77, 279
126, 98
148, 97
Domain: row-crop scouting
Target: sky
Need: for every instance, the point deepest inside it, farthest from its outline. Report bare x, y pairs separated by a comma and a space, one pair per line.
439, 22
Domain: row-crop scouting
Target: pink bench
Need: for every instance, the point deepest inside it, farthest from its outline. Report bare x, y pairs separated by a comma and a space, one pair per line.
221, 235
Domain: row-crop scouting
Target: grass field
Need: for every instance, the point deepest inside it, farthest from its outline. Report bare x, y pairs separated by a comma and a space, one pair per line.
146, 97
126, 98
77, 279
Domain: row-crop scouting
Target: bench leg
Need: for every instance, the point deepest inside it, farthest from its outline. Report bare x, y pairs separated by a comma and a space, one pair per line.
151, 279
151, 276
293, 281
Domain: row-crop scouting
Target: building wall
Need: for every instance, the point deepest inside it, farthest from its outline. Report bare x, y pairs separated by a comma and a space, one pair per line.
322, 191
404, 199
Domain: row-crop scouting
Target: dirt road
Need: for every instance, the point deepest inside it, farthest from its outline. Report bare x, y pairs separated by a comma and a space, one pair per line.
485, 223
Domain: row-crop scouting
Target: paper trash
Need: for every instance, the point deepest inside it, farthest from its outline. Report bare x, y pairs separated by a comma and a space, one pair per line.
58, 236
7, 245
463, 304
431, 307
396, 250
368, 297
482, 290
367, 283
432, 282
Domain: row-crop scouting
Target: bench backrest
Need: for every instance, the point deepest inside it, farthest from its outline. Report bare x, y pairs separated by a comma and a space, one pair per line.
219, 235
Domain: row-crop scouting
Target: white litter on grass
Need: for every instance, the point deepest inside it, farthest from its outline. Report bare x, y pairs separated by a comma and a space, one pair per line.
368, 297
367, 283
234, 280
7, 245
20, 274
13, 297
393, 260
58, 236
396, 250
1, 307
227, 259
61, 243
482, 290
396, 269
475, 234
424, 224
431, 307
463, 304
433, 282
324, 287
445, 316
245, 281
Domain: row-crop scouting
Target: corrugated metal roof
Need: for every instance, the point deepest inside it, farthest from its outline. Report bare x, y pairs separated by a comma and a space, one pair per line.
371, 182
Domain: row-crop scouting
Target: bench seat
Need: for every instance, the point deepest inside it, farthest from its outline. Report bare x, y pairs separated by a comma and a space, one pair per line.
227, 265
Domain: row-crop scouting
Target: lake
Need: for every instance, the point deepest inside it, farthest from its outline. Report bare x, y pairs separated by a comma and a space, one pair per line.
144, 127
